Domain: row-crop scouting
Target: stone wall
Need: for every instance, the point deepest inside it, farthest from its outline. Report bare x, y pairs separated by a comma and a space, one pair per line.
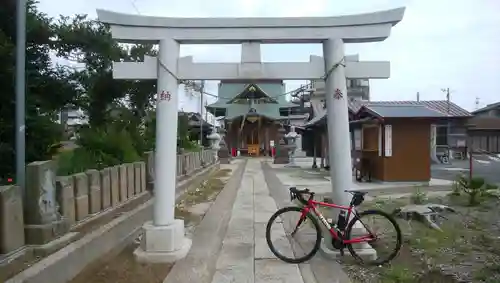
53, 204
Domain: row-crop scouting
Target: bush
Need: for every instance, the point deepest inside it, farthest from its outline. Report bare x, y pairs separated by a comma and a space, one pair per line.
75, 161
418, 196
98, 148
474, 188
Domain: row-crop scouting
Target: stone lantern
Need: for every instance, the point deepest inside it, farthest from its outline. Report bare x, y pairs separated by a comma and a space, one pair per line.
291, 138
224, 156
281, 155
215, 139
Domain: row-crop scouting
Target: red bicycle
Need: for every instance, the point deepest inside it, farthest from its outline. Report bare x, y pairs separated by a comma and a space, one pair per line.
351, 234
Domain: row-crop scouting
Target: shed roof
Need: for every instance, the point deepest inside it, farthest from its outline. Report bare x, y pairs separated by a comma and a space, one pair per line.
440, 106
402, 111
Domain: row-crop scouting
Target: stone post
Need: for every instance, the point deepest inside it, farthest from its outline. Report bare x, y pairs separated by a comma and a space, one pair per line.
11, 219
143, 176
150, 169
94, 191
82, 207
105, 188
115, 185
65, 196
130, 180
137, 177
43, 223
122, 171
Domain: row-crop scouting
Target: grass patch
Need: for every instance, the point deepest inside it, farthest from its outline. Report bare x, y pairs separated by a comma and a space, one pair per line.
467, 249
203, 192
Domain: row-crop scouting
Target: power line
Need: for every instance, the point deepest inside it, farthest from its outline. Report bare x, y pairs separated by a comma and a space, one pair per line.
135, 6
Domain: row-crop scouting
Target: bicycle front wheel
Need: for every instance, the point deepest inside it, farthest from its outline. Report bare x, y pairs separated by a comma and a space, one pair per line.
291, 237
382, 229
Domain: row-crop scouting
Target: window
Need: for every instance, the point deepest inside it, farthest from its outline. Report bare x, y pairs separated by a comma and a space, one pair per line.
441, 135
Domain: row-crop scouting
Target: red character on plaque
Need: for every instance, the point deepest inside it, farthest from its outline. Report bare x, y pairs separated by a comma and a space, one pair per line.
165, 95
337, 94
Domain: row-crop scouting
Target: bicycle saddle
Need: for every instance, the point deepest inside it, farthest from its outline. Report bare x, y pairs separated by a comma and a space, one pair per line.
355, 192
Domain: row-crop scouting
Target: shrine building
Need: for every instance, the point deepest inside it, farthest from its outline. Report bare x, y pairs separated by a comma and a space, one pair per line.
253, 111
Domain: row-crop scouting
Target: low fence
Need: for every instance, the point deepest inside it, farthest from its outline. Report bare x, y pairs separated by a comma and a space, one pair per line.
54, 204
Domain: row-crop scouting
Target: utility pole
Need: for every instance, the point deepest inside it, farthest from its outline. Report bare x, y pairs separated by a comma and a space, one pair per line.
21, 96
418, 96
448, 127
201, 89
206, 112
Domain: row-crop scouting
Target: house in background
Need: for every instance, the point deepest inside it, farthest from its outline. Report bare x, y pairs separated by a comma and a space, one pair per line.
484, 129
71, 119
490, 110
196, 123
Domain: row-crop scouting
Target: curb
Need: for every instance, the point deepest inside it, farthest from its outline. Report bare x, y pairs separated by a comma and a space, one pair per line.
65, 264
199, 264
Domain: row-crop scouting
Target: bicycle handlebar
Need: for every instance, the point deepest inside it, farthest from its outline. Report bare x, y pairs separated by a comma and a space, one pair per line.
297, 194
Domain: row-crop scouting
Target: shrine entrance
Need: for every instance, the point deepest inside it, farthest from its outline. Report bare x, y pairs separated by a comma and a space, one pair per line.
252, 135
164, 235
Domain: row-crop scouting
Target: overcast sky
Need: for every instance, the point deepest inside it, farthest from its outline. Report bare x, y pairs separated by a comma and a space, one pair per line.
439, 43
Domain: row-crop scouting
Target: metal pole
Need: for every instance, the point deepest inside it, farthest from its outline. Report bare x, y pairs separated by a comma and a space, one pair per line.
201, 113
21, 95
448, 130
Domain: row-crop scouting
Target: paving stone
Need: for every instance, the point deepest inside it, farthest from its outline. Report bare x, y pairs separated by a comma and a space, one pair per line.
276, 271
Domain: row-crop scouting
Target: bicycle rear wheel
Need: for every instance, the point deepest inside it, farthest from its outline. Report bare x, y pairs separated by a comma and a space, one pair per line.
286, 241
361, 226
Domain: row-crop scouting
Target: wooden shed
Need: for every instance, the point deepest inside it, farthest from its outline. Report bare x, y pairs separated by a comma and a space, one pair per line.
392, 142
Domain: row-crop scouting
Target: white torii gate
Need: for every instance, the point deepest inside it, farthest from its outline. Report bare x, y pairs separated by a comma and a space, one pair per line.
164, 237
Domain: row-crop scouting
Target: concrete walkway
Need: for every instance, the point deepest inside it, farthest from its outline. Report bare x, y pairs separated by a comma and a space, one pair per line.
245, 256
229, 245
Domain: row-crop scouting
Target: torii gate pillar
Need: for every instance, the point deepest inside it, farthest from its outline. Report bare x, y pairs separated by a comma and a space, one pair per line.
164, 239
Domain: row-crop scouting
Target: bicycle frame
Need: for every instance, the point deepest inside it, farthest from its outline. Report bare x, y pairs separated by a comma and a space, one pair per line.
312, 205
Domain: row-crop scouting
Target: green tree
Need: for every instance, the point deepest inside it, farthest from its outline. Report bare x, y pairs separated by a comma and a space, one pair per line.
48, 87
